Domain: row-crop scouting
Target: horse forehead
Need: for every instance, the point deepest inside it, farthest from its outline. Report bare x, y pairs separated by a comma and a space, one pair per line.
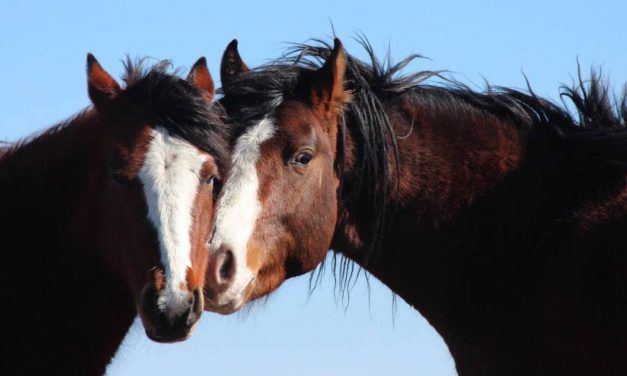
170, 176
295, 117
298, 130
248, 144
245, 157
170, 151
130, 146
171, 165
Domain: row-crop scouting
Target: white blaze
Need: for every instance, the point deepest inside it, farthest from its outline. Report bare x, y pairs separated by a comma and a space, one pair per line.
170, 176
239, 205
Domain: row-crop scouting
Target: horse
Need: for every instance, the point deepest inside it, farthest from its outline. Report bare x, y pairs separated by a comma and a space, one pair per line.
499, 215
107, 215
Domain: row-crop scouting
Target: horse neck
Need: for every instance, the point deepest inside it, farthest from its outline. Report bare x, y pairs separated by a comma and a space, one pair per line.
448, 161
50, 168
482, 229
44, 183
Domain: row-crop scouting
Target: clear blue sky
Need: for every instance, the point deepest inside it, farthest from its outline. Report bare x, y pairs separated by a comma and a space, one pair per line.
43, 48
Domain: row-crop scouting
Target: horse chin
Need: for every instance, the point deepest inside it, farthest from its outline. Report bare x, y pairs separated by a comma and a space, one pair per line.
167, 339
161, 329
233, 305
167, 336
224, 309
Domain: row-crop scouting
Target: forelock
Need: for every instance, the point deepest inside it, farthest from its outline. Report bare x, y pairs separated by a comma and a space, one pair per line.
178, 106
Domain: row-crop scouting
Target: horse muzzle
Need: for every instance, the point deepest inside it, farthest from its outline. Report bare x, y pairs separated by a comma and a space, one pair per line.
161, 324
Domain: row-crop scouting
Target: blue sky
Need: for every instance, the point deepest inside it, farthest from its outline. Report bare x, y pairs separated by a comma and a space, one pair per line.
44, 44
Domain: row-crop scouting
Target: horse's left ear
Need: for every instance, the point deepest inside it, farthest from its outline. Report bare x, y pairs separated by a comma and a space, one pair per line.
327, 86
101, 86
232, 64
200, 77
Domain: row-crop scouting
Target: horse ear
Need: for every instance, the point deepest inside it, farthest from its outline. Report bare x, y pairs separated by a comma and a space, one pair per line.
327, 86
200, 77
232, 64
101, 86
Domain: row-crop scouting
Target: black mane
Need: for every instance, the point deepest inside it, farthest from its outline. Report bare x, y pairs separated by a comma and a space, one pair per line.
599, 124
177, 106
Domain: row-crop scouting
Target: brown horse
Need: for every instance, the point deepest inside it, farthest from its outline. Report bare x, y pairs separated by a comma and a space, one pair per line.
106, 215
496, 215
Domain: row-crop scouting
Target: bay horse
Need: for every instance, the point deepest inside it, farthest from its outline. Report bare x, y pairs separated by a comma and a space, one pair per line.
106, 215
497, 215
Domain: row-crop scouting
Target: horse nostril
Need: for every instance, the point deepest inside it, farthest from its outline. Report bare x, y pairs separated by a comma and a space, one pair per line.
227, 263
227, 266
196, 307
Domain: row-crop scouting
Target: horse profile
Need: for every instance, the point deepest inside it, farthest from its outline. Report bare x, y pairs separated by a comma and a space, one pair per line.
107, 215
497, 215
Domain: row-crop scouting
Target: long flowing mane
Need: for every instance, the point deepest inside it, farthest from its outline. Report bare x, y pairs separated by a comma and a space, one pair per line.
598, 125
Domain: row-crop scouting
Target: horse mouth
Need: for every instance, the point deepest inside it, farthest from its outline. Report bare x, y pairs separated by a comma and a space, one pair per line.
169, 334
158, 332
168, 338
163, 327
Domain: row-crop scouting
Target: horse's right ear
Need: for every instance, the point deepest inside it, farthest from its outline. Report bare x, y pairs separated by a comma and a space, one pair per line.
200, 77
327, 86
101, 86
232, 64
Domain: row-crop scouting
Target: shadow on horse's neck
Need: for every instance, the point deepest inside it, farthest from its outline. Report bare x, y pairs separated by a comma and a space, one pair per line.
56, 158
63, 296
447, 161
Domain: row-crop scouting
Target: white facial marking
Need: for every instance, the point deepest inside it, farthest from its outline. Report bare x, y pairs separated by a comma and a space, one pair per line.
239, 205
171, 175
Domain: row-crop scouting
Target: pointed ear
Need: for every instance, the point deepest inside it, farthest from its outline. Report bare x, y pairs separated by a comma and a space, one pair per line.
327, 85
232, 64
101, 86
200, 77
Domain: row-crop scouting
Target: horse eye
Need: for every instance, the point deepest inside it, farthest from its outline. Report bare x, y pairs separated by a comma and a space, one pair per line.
120, 178
217, 186
209, 180
303, 158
